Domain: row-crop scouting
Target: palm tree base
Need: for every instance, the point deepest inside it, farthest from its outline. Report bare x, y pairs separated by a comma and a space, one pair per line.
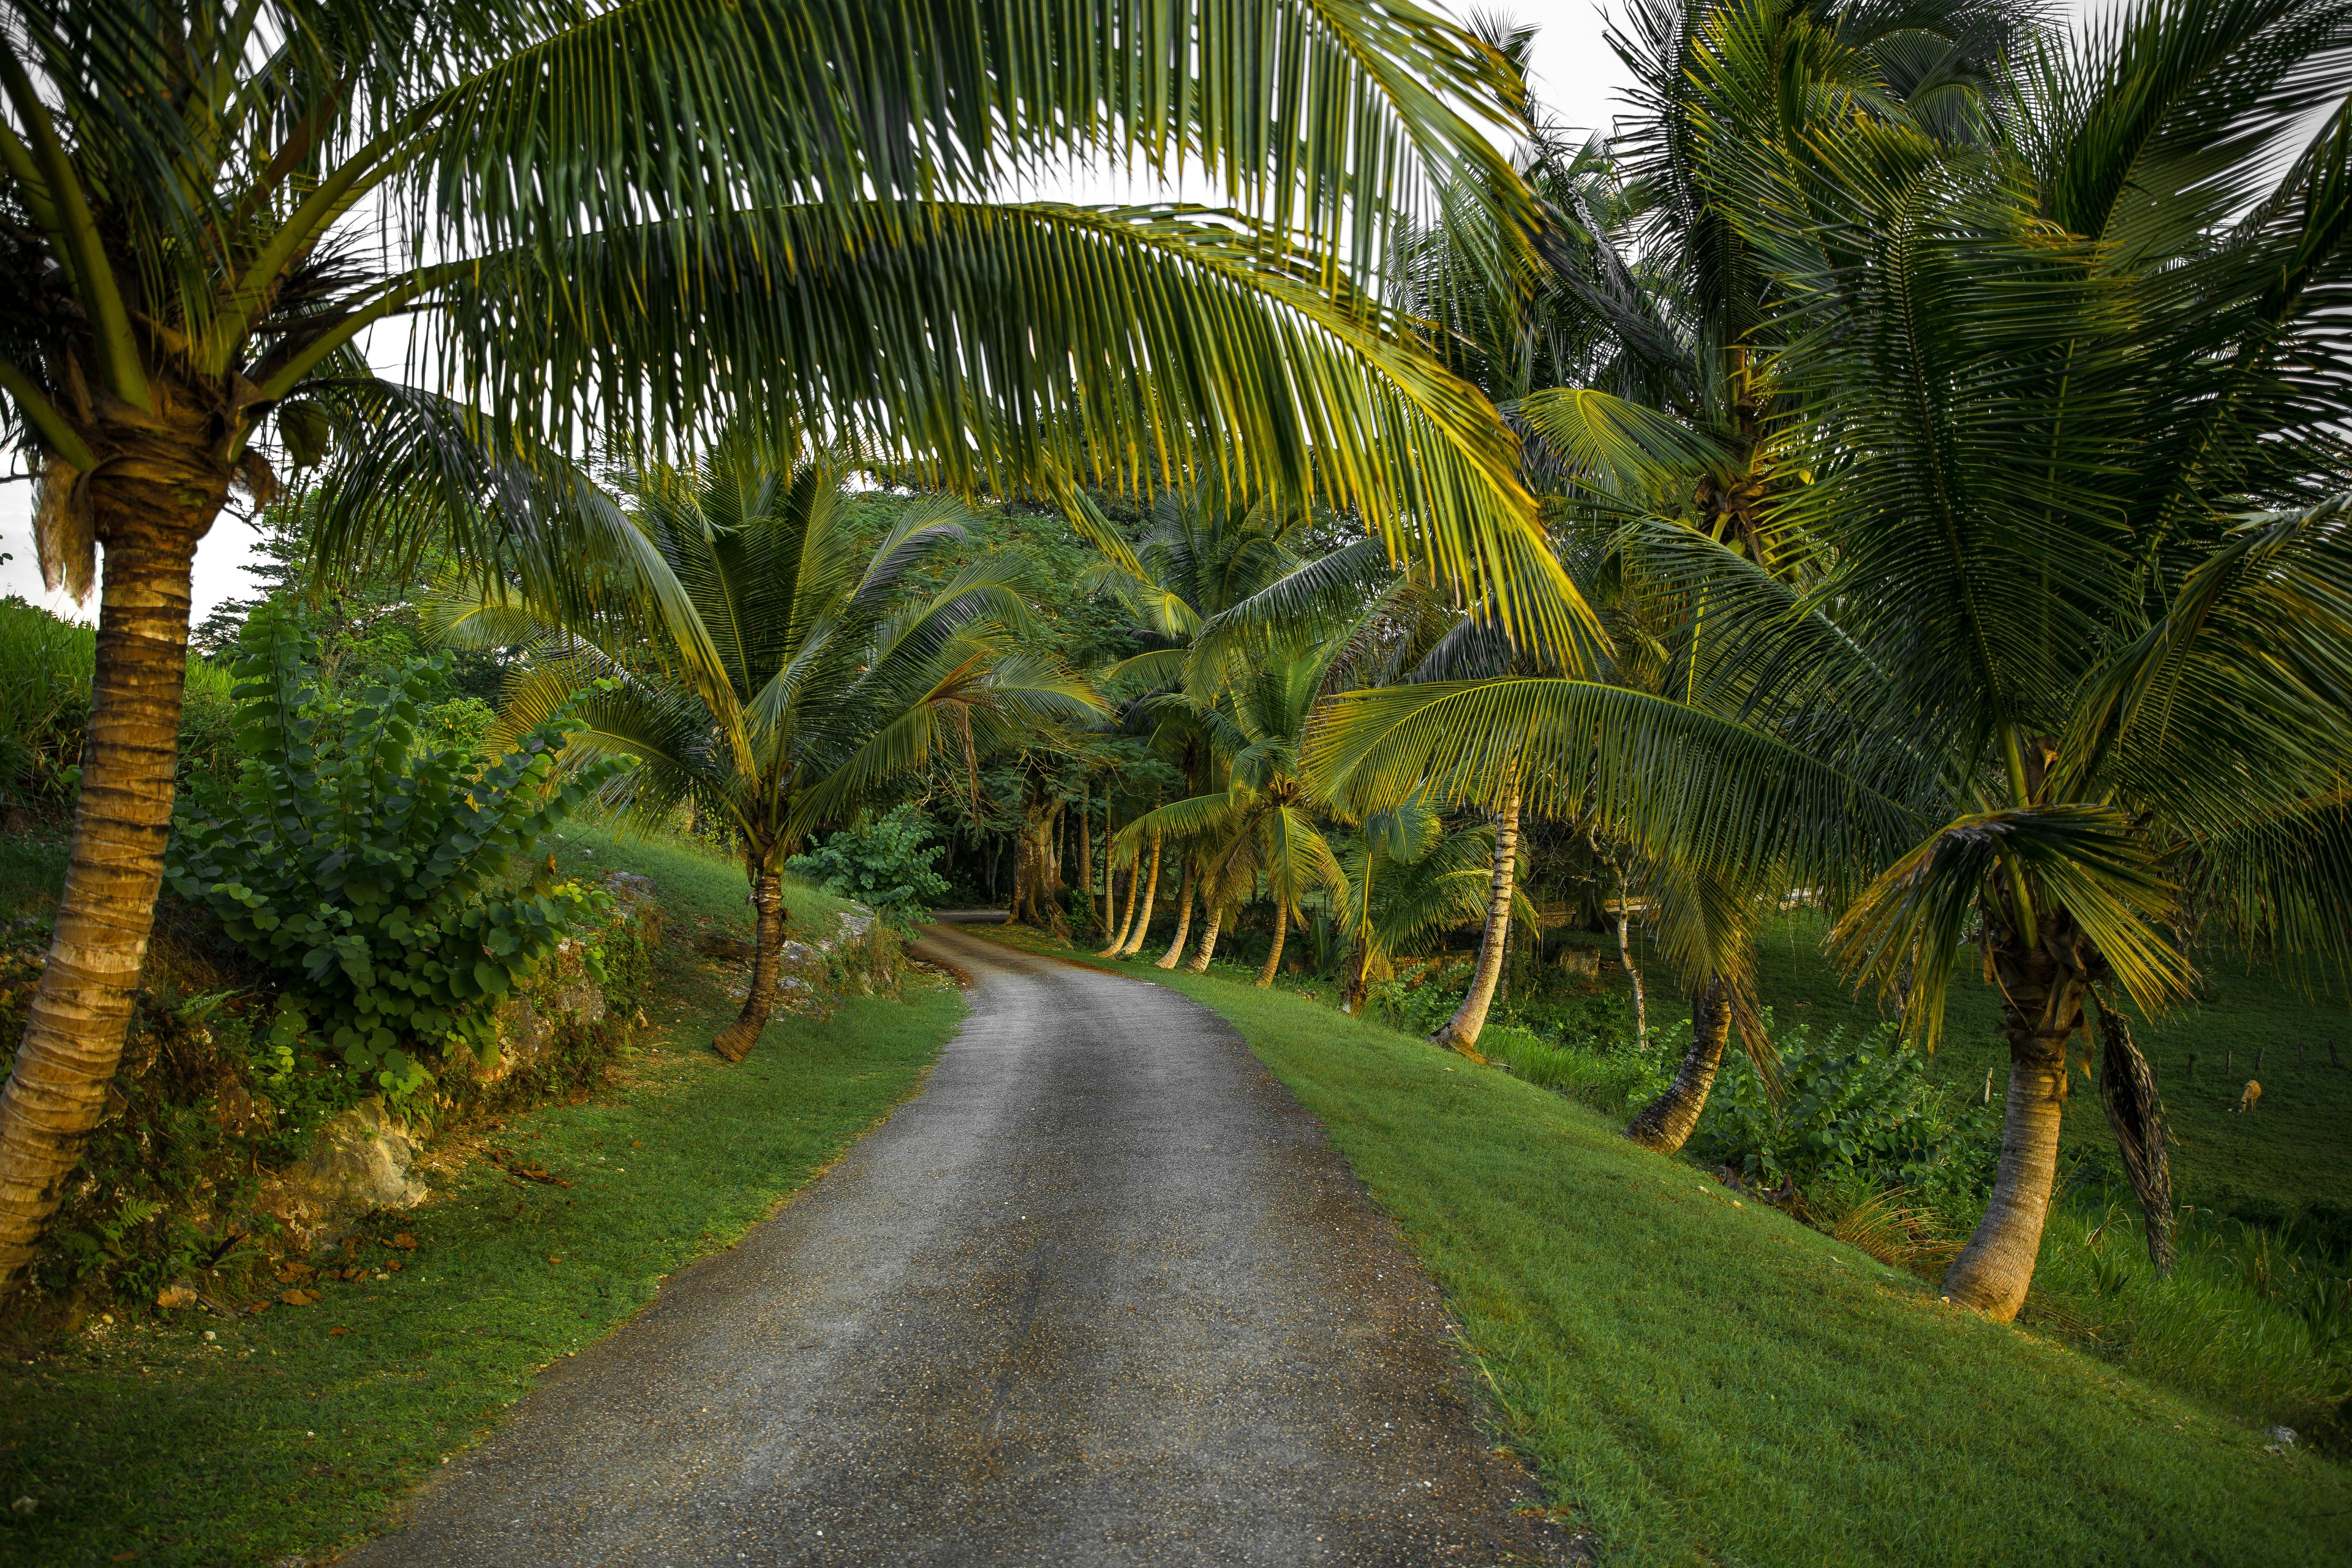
735, 1041
1455, 1043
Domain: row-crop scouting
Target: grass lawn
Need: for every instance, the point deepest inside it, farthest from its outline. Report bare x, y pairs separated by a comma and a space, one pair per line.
1703, 1382
213, 1441
696, 883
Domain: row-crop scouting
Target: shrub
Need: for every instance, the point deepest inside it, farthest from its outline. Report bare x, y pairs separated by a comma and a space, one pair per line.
884, 865
358, 862
1866, 1107
1610, 1075
1417, 999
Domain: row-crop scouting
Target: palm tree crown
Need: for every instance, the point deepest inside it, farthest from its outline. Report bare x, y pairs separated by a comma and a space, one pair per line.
799, 667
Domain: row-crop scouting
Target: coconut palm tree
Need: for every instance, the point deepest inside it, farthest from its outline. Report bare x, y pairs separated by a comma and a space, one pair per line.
2074, 400
1263, 823
798, 670
657, 212
1407, 876
2074, 672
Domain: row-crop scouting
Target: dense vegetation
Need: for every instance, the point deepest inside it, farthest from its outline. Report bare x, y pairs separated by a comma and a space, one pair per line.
1817, 627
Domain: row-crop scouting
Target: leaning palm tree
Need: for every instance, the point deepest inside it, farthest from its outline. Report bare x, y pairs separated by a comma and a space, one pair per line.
2074, 400
799, 670
2077, 665
661, 211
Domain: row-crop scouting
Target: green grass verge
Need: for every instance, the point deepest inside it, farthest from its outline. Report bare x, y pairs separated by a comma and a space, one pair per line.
696, 883
155, 1445
1702, 1381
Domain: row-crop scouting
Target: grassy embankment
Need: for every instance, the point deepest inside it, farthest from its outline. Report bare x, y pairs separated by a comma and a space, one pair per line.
218, 1441
2296, 1149
1702, 1381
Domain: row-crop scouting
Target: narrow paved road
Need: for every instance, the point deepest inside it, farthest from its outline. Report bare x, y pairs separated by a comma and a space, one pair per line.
1100, 1295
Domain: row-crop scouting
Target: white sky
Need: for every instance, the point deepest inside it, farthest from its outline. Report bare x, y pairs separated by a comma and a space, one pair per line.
1576, 75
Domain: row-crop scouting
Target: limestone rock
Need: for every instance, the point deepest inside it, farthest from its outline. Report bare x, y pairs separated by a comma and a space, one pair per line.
1580, 963
634, 899
359, 1160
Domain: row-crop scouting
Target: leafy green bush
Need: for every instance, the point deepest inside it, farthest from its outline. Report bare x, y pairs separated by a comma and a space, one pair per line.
1866, 1107
363, 862
1419, 999
883, 865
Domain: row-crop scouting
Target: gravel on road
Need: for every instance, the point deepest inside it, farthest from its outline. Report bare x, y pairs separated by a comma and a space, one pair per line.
1101, 1294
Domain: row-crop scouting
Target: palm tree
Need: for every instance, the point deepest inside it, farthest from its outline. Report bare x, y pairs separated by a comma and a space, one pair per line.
1623, 355
1406, 877
2073, 398
1263, 823
2074, 675
798, 671
1206, 550
663, 211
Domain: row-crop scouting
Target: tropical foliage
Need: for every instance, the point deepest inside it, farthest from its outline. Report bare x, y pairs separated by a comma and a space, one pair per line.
368, 866
791, 674
1901, 470
659, 216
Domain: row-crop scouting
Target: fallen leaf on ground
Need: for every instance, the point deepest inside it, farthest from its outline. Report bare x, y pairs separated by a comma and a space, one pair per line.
553, 1259
404, 1241
298, 1297
338, 1328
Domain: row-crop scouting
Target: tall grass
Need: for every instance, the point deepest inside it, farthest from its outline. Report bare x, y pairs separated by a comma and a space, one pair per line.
2248, 1318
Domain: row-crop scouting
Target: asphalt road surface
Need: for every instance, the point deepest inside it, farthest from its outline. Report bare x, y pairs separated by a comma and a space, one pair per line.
1101, 1294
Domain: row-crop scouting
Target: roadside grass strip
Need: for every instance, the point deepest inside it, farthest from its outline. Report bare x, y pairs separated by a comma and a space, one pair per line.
216, 1440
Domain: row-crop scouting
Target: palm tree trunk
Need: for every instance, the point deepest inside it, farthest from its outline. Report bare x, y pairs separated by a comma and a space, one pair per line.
1665, 1123
1633, 971
1150, 892
1274, 954
736, 1040
1199, 962
1086, 855
73, 1035
2042, 988
1183, 922
1461, 1031
1110, 880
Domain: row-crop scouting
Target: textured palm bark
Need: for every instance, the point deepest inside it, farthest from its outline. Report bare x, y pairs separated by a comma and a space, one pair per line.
1461, 1031
1665, 1123
1633, 973
1134, 943
1199, 962
2043, 983
148, 510
1274, 954
1183, 923
1086, 858
1134, 889
736, 1040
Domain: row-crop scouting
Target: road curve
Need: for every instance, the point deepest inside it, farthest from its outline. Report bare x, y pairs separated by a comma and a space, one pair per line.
1100, 1295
